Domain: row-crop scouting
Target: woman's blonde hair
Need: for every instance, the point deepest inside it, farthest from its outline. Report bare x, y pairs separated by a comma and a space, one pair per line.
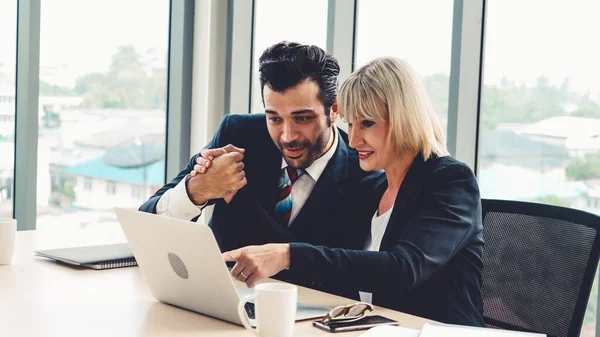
392, 83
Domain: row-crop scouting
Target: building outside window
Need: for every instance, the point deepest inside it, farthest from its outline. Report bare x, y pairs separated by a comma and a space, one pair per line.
87, 184
102, 108
111, 188
8, 45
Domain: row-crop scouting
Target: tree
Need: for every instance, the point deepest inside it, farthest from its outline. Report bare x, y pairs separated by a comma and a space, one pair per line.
133, 81
510, 102
68, 191
555, 200
504, 104
586, 107
546, 101
586, 168
585, 112
64, 196
54, 90
438, 86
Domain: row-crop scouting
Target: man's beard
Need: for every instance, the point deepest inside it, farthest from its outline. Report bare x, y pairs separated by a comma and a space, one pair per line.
314, 150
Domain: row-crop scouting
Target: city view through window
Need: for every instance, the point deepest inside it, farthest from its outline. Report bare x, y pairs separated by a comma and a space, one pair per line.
8, 50
102, 110
103, 80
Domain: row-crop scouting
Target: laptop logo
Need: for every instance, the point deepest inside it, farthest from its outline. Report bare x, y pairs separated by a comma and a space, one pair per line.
178, 266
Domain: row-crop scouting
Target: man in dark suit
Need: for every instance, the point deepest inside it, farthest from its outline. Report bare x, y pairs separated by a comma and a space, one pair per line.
282, 175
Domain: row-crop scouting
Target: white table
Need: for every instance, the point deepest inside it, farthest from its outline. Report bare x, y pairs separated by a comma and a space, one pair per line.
41, 298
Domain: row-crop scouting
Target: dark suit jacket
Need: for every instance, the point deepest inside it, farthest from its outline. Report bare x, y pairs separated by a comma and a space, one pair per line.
248, 219
430, 258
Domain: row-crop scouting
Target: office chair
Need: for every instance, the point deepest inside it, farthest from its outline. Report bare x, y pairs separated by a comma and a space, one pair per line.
539, 266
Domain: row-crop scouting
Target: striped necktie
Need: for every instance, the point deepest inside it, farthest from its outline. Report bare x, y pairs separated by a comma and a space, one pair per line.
283, 208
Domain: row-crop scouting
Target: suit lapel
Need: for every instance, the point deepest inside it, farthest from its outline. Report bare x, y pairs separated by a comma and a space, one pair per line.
408, 190
270, 179
326, 191
266, 169
365, 204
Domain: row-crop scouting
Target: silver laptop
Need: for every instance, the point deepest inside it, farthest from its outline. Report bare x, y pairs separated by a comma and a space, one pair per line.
182, 264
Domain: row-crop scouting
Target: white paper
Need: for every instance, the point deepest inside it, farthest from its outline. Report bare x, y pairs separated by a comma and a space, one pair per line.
448, 330
390, 331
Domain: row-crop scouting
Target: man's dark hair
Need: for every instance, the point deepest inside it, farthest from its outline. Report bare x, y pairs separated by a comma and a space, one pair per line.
285, 64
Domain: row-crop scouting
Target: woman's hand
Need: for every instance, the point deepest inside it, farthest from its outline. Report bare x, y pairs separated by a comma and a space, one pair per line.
254, 263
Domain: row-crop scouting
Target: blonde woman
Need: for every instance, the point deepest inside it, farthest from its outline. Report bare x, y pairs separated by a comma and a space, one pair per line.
413, 239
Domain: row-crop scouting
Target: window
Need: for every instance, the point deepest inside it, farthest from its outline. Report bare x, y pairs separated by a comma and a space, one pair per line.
304, 22
111, 188
412, 31
102, 106
87, 184
8, 44
137, 192
540, 110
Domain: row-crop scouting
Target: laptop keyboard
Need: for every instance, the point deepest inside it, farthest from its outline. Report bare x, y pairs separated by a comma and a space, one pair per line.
249, 310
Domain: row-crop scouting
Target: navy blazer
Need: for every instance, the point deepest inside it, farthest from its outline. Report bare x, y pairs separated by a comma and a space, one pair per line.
430, 259
249, 218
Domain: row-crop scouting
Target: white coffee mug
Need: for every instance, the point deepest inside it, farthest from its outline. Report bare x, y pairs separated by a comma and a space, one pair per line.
8, 229
274, 308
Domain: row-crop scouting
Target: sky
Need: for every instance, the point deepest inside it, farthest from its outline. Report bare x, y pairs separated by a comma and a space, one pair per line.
524, 39
80, 36
557, 38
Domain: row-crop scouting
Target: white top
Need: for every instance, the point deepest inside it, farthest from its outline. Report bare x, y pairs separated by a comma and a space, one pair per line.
176, 203
378, 227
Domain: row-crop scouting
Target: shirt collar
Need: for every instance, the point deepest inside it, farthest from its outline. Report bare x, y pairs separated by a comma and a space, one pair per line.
318, 166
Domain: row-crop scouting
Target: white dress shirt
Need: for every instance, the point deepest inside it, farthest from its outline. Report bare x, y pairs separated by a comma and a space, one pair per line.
305, 183
378, 226
176, 203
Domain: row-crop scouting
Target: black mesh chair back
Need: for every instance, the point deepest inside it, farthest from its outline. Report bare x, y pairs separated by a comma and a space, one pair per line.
539, 266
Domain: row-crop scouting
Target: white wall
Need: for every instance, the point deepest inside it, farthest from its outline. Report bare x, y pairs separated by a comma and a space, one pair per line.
98, 199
